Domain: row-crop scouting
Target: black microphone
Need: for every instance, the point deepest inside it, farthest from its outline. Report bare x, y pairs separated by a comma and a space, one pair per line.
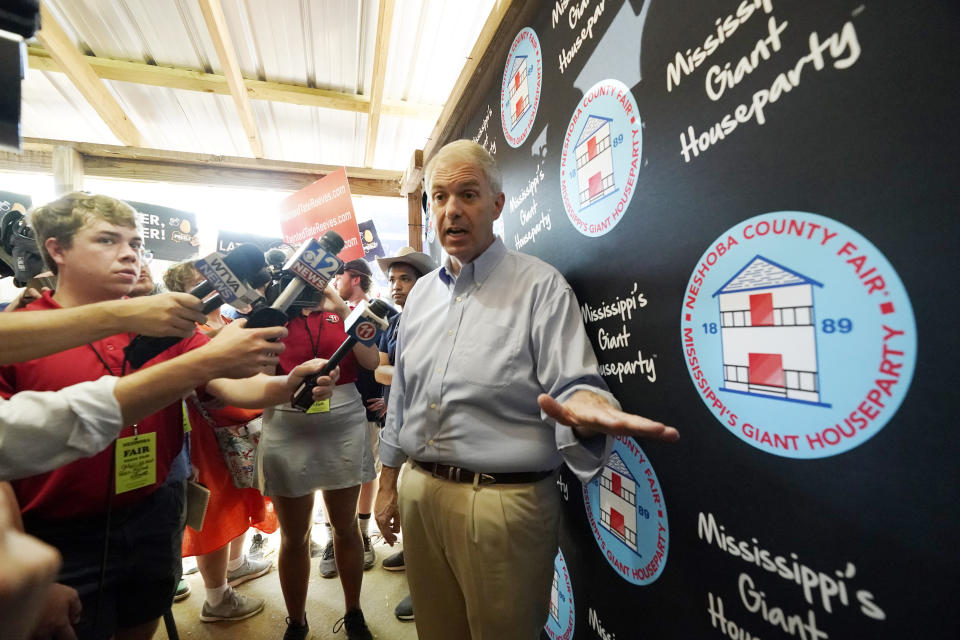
224, 275
362, 325
315, 263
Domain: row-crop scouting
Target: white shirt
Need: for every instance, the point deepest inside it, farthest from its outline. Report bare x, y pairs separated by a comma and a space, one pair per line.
43, 430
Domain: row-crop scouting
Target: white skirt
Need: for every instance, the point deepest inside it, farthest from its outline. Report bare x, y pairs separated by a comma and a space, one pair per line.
300, 453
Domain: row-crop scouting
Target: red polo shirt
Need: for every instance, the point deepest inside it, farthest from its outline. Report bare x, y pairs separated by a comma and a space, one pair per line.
317, 336
80, 488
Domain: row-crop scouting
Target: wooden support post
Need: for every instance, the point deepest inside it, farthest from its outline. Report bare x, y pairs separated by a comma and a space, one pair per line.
67, 170
415, 219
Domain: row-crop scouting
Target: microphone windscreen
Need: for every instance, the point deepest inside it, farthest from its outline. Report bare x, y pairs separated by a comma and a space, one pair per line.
332, 242
275, 257
245, 261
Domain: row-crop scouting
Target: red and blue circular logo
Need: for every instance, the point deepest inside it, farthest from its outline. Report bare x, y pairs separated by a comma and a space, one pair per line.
798, 334
600, 160
521, 87
627, 514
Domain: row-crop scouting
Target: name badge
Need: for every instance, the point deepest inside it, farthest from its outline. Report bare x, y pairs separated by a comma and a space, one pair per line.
136, 462
320, 406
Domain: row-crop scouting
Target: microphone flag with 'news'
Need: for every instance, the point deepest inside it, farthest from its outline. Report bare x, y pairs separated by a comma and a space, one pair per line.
225, 278
314, 263
363, 325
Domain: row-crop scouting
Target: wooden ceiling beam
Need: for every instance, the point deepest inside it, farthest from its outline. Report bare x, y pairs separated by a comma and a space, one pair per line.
384, 24
111, 161
190, 80
185, 157
85, 79
220, 35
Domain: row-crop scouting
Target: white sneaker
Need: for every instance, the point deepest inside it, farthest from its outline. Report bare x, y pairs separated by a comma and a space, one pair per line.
249, 570
369, 555
234, 606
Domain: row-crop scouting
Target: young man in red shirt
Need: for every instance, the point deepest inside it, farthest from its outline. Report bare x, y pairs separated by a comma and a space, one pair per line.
115, 521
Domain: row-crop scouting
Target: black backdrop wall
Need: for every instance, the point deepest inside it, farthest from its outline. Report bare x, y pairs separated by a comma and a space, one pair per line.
755, 203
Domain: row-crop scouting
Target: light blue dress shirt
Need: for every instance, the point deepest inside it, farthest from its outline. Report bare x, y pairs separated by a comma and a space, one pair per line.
474, 352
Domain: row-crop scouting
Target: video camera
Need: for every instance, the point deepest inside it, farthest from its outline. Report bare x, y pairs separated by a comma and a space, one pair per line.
19, 255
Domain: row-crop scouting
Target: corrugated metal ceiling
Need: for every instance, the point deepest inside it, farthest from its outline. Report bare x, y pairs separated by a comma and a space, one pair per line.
320, 44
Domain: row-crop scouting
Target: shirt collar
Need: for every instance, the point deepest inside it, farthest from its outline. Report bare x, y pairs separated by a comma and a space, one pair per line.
480, 268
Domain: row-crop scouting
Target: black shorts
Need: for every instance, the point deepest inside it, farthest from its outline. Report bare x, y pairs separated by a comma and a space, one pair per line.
143, 566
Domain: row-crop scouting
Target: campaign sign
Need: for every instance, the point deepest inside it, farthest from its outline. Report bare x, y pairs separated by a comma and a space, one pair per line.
798, 334
170, 234
227, 241
372, 248
560, 622
627, 514
319, 207
521, 87
601, 158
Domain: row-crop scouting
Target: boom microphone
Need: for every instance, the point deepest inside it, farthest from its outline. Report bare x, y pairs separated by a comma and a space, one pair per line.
315, 263
362, 325
223, 274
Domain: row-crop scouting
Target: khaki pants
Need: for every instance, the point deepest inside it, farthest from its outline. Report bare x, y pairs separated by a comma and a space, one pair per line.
479, 558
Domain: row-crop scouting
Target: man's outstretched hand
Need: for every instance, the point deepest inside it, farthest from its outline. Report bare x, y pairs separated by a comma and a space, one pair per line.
589, 413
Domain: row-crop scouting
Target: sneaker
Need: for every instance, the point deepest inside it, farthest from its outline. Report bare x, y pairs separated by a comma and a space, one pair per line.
183, 590
315, 549
190, 566
404, 610
394, 562
258, 547
234, 606
328, 563
369, 555
296, 632
249, 570
355, 626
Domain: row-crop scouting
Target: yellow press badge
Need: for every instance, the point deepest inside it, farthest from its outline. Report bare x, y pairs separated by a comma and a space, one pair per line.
320, 406
186, 419
136, 462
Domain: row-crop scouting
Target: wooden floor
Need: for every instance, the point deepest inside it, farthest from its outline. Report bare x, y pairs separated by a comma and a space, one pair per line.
382, 590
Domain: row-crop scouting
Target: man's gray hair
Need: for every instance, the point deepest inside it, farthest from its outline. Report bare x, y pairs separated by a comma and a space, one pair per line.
469, 152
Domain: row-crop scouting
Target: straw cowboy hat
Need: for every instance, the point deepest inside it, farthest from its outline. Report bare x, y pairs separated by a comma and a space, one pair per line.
407, 255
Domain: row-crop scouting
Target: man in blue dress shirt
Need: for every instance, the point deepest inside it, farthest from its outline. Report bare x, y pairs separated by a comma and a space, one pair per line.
495, 386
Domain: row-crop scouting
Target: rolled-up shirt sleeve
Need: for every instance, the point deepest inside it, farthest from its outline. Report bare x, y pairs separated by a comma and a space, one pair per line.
43, 430
566, 364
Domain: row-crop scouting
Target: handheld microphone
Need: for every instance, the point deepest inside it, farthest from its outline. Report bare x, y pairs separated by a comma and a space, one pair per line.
225, 275
362, 325
314, 263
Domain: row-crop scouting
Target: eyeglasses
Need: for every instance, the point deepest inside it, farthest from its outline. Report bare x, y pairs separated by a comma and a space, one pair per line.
146, 256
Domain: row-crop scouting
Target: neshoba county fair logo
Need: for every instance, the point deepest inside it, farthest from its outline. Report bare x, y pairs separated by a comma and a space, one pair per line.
560, 622
627, 515
601, 158
521, 86
798, 334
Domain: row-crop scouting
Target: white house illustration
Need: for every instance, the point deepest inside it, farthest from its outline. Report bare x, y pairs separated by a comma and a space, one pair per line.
768, 332
555, 596
519, 90
594, 161
618, 501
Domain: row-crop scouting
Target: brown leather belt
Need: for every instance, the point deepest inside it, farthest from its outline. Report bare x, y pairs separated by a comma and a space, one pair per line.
457, 474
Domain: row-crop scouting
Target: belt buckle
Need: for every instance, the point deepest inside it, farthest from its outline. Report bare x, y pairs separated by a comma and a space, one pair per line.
486, 478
